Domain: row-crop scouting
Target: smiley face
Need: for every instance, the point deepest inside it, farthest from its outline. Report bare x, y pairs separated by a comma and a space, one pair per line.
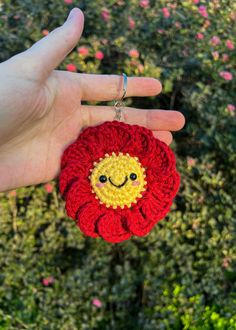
118, 180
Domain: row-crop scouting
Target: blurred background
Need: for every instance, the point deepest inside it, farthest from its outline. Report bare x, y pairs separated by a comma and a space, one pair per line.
183, 274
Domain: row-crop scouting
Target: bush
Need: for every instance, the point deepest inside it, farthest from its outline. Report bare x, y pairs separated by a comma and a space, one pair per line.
182, 275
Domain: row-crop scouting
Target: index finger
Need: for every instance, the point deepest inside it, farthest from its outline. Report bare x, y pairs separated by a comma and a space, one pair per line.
109, 87
104, 87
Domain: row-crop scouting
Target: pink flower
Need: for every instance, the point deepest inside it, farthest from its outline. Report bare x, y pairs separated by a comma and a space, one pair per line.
104, 41
203, 11
99, 55
68, 2
133, 63
12, 193
226, 262
215, 41
131, 23
196, 2
226, 75
71, 67
120, 2
191, 161
229, 44
206, 24
48, 281
225, 57
231, 108
83, 51
96, 302
105, 14
134, 53
178, 25
195, 224
165, 12
45, 32
199, 35
144, 3
161, 31
232, 15
49, 188
140, 68
215, 55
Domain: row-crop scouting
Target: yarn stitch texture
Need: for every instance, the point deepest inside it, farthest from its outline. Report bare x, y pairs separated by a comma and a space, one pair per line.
122, 180
118, 181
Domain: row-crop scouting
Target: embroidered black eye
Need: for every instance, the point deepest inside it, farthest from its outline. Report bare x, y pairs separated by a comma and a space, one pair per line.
103, 178
133, 176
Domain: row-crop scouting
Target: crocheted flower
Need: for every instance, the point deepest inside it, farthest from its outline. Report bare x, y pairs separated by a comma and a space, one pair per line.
118, 180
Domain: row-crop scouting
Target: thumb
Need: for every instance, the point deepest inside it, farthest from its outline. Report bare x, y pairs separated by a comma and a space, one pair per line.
50, 51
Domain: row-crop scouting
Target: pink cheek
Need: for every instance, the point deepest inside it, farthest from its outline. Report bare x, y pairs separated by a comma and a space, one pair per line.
100, 184
136, 183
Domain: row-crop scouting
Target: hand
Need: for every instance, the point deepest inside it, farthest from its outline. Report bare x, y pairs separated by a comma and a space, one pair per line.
41, 111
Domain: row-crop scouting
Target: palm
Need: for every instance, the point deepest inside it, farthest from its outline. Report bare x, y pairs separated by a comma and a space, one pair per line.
48, 115
57, 129
50, 127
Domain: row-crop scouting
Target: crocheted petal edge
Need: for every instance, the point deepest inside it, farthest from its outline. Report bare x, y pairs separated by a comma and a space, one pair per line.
111, 229
137, 223
87, 216
78, 195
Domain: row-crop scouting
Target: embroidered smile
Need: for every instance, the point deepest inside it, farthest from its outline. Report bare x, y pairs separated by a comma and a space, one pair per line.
120, 185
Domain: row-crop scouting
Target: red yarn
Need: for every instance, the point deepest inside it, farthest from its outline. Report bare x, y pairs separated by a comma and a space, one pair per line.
116, 225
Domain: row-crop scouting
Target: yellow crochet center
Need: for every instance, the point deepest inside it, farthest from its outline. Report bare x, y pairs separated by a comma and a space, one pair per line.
118, 180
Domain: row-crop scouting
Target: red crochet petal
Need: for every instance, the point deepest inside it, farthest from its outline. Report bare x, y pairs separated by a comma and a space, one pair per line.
116, 136
162, 164
154, 209
69, 175
141, 143
110, 228
167, 188
76, 154
78, 195
137, 223
87, 218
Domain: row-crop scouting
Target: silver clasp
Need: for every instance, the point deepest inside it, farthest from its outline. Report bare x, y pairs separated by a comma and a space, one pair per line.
119, 104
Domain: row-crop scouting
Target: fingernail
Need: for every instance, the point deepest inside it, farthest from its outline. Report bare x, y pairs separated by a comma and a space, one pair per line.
71, 14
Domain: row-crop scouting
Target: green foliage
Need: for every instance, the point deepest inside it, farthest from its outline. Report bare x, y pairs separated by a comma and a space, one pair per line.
182, 275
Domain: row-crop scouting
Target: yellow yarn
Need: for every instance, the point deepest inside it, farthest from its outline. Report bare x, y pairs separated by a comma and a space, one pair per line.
117, 169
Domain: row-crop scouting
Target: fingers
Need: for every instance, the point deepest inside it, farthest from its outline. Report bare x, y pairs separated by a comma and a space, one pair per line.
98, 87
48, 52
156, 120
164, 136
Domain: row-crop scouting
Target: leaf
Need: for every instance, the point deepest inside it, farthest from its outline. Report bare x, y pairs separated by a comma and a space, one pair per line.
168, 86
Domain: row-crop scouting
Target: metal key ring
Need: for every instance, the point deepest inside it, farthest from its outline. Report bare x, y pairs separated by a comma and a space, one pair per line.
120, 103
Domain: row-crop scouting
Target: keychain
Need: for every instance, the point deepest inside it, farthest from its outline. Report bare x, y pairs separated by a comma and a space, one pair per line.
117, 179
